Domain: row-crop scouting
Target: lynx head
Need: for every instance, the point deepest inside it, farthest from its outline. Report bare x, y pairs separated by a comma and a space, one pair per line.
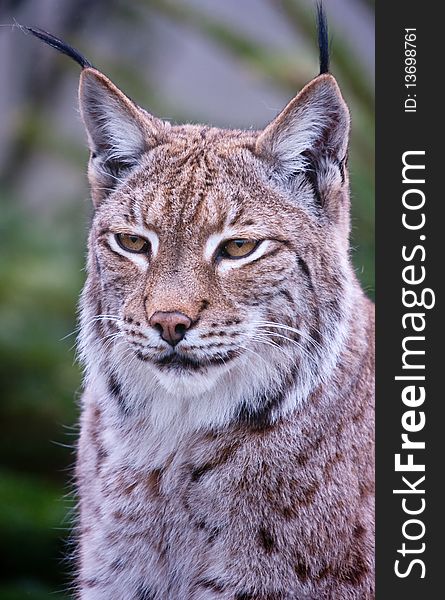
218, 270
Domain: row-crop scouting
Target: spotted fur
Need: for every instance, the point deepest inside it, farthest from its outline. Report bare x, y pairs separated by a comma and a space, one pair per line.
238, 464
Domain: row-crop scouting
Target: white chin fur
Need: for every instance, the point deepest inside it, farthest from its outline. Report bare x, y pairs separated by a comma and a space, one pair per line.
188, 383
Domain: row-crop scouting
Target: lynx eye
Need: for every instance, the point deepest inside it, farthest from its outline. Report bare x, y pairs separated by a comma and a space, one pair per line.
132, 243
238, 248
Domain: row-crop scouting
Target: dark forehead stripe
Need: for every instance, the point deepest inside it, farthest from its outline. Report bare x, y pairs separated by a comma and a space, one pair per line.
193, 181
239, 213
206, 171
208, 176
132, 205
180, 188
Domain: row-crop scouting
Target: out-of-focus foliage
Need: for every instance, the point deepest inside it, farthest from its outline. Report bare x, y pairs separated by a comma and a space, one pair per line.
40, 276
42, 240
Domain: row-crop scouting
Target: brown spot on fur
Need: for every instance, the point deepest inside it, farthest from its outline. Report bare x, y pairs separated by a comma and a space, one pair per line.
95, 432
119, 515
127, 489
302, 459
330, 464
154, 481
339, 428
358, 531
204, 305
358, 416
366, 488
326, 571
302, 570
211, 584
224, 455
303, 496
354, 572
212, 532
125, 484
266, 540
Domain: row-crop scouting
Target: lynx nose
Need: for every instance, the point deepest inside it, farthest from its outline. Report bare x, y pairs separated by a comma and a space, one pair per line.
171, 325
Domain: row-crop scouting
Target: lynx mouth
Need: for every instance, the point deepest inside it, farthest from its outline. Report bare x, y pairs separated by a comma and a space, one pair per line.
176, 361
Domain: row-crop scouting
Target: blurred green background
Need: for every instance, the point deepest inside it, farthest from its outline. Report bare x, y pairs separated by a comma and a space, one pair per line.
232, 63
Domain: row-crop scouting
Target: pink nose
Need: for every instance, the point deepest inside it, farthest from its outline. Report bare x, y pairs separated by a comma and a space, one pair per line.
171, 325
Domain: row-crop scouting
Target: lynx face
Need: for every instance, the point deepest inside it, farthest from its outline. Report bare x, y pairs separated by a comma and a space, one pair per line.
217, 258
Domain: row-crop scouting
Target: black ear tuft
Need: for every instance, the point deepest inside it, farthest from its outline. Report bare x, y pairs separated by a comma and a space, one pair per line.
59, 45
323, 39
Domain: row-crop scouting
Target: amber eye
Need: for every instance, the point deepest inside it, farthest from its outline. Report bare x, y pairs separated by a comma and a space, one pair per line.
132, 243
238, 248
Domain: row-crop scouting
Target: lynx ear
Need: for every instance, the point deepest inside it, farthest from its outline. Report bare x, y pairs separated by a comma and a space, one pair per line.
310, 134
119, 132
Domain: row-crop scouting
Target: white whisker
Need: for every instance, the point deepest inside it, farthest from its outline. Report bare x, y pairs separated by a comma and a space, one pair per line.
297, 344
264, 324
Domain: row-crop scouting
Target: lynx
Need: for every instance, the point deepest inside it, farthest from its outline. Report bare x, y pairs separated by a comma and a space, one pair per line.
226, 447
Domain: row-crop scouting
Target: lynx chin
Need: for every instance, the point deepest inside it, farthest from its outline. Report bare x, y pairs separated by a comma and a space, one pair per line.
226, 447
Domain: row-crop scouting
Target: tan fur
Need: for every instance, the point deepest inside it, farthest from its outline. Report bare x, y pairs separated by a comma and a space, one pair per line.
244, 472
